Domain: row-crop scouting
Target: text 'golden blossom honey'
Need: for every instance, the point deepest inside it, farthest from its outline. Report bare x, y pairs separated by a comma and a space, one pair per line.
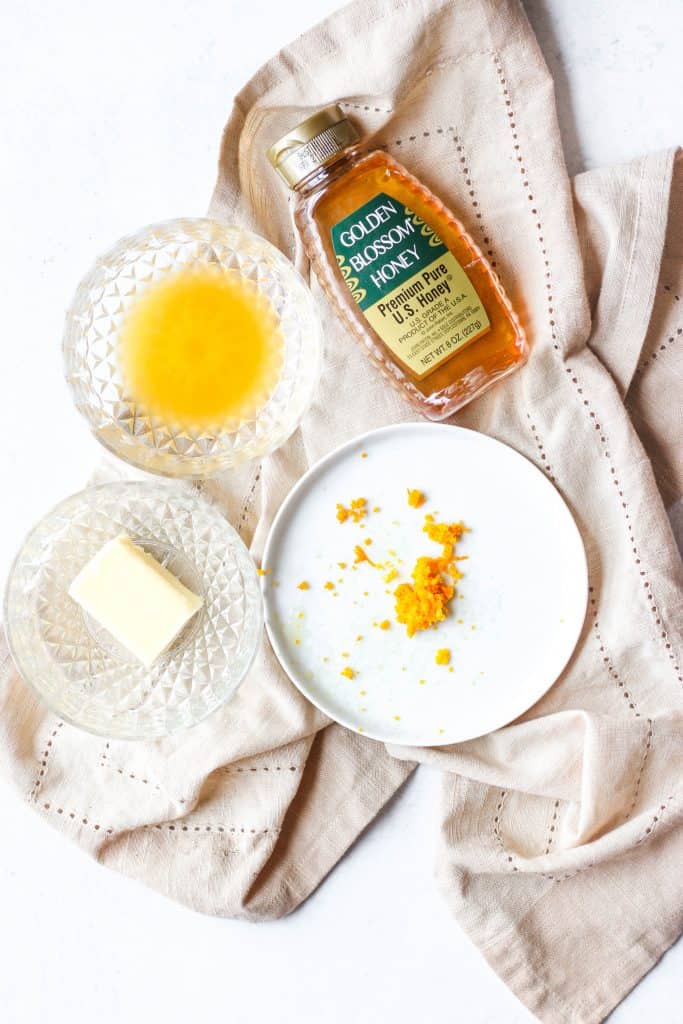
400, 268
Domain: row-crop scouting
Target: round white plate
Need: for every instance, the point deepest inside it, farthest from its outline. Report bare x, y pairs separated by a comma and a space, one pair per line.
516, 617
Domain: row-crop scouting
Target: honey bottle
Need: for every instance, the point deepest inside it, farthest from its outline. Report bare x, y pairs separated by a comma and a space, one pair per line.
400, 269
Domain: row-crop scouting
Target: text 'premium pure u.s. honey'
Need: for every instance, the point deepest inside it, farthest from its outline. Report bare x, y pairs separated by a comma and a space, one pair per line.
400, 268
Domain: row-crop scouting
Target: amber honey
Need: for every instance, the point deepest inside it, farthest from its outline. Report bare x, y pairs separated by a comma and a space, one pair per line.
399, 267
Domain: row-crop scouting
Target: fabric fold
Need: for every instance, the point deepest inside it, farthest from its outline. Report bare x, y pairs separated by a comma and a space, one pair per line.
560, 841
623, 213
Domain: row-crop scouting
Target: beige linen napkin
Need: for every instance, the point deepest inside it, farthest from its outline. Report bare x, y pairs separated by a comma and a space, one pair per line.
559, 852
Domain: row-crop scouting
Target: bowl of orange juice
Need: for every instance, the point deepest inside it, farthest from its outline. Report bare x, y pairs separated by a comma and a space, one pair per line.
191, 347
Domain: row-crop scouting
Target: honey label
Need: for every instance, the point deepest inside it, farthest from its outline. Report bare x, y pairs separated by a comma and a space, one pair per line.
409, 286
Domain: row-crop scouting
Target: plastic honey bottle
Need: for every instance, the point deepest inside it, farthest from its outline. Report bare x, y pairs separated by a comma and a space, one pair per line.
400, 268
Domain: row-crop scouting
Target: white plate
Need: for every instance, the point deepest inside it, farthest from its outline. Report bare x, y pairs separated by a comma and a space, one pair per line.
522, 600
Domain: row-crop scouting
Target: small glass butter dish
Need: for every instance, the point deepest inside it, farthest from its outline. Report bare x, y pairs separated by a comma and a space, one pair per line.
192, 347
78, 667
135, 598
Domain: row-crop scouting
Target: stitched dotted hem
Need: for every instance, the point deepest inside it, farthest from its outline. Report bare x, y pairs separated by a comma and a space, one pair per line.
662, 633
545, 464
365, 106
676, 336
246, 507
465, 170
108, 830
567, 875
670, 340
131, 775
655, 819
194, 829
73, 815
606, 659
553, 826
510, 859
512, 125
648, 744
474, 199
225, 771
49, 747
496, 830
135, 778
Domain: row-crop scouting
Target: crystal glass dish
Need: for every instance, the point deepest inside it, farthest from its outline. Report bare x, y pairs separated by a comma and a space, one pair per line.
80, 670
91, 350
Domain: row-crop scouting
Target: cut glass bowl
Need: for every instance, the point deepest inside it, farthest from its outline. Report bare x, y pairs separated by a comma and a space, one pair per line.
93, 370
81, 672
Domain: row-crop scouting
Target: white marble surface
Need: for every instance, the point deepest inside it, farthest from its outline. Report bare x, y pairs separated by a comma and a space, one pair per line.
111, 117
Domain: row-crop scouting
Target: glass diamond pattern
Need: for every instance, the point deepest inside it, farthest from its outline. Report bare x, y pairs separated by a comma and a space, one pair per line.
80, 671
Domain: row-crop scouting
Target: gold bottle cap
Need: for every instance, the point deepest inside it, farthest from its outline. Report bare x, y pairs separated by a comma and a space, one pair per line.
312, 144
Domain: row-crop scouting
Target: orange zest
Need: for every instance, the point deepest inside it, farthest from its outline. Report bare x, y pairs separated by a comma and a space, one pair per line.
424, 602
361, 555
356, 510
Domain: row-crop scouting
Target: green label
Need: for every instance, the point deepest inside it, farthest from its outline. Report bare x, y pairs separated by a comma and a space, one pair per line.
410, 287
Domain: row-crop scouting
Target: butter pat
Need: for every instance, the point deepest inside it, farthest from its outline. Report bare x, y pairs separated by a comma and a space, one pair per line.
135, 598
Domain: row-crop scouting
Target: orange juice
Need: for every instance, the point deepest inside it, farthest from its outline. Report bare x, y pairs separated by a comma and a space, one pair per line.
201, 347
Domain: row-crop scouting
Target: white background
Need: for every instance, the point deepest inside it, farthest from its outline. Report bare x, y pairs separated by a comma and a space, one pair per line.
111, 116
